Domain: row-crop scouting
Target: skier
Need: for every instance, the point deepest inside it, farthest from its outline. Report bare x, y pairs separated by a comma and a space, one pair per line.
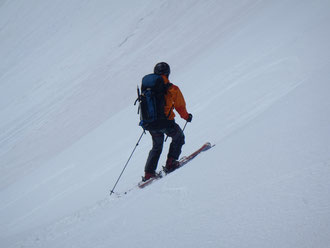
173, 100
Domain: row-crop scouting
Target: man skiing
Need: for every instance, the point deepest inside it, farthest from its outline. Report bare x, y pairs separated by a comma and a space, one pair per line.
173, 100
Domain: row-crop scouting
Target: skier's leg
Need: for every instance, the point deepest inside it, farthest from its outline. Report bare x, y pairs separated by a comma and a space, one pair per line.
154, 154
178, 140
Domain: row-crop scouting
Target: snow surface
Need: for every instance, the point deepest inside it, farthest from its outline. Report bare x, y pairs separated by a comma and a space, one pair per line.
255, 75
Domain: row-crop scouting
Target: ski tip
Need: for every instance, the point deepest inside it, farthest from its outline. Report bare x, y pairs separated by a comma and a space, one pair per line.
208, 144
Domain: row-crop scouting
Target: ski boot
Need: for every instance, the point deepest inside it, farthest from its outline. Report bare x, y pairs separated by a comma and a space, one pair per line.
171, 165
148, 176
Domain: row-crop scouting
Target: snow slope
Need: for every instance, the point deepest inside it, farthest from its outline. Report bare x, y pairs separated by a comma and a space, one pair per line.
255, 75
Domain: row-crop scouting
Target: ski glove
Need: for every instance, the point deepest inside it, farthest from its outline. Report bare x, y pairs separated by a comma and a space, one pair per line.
189, 119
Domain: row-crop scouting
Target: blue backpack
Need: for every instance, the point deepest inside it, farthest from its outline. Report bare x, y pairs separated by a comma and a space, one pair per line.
151, 101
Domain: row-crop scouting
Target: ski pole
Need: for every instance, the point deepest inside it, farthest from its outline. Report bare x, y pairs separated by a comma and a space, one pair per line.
182, 130
112, 191
184, 126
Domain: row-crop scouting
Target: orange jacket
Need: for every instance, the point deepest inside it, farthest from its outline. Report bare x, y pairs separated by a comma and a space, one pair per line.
174, 100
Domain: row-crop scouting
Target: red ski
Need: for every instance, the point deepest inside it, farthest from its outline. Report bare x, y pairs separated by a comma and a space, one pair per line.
182, 162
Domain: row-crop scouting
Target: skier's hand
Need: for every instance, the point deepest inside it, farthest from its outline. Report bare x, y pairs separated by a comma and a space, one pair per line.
189, 119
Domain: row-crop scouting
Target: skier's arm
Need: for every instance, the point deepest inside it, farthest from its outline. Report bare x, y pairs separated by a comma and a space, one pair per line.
180, 104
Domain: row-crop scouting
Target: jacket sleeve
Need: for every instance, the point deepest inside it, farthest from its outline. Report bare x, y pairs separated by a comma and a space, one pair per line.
180, 104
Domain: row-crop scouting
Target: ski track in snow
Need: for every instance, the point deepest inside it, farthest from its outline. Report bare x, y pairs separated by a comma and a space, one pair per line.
62, 228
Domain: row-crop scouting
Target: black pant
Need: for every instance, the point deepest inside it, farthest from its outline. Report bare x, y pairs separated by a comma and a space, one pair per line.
175, 132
